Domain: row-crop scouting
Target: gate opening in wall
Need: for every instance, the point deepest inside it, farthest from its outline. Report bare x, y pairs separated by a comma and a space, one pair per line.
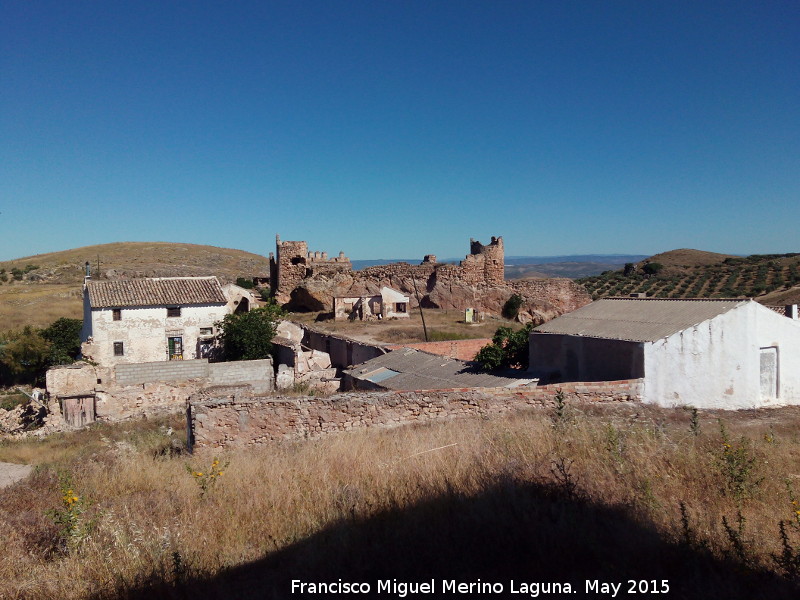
78, 410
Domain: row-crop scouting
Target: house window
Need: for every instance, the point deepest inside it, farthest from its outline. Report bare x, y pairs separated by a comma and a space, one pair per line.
206, 331
116, 314
173, 311
175, 346
400, 307
119, 349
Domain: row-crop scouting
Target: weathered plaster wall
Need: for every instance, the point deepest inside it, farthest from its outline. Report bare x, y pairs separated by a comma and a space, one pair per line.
235, 422
716, 364
144, 331
774, 330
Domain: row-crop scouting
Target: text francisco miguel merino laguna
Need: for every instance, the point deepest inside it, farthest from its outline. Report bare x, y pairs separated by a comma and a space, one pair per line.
401, 589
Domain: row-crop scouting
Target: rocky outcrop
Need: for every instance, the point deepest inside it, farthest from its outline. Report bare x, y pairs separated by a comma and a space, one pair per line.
442, 287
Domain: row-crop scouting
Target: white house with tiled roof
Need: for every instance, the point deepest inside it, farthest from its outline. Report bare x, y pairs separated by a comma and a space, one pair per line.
150, 320
705, 353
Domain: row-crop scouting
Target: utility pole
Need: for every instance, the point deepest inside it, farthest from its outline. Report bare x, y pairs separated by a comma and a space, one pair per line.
419, 304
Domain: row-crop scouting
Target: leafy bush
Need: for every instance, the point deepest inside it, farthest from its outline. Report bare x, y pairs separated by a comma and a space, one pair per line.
509, 349
652, 268
512, 306
245, 283
64, 336
248, 335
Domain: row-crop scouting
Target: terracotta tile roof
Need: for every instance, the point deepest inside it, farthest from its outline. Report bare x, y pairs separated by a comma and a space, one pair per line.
164, 291
637, 319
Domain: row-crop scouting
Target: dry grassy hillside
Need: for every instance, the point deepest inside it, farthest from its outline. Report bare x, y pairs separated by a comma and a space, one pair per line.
559, 495
768, 278
36, 290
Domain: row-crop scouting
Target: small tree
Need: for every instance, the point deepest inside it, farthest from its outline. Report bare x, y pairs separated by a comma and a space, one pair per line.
509, 349
652, 268
64, 336
24, 355
248, 335
512, 306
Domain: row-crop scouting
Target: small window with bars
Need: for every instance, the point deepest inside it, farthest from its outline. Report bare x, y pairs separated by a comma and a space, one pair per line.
116, 314
173, 311
119, 349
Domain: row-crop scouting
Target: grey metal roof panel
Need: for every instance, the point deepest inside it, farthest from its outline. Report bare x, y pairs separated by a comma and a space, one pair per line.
419, 370
637, 319
164, 291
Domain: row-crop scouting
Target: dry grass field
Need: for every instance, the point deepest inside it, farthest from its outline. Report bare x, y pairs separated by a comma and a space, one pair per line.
53, 288
442, 325
609, 493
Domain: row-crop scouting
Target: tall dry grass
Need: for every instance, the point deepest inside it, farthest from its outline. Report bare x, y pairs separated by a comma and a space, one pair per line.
593, 492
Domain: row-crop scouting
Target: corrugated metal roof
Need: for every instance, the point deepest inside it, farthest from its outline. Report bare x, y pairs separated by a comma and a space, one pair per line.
637, 319
164, 291
418, 370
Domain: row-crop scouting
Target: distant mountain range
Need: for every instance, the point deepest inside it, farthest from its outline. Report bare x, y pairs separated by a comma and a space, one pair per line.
572, 266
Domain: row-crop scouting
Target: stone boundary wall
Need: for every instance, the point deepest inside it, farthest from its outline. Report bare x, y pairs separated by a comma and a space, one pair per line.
239, 422
460, 349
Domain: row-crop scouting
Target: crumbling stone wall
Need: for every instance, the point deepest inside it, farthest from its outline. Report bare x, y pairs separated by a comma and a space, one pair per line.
131, 390
233, 421
293, 263
484, 264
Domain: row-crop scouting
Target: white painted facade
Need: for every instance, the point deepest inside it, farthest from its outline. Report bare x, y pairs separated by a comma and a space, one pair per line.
718, 363
389, 304
145, 333
745, 357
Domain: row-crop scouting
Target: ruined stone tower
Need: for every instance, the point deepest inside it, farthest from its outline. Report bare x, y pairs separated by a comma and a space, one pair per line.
293, 262
484, 264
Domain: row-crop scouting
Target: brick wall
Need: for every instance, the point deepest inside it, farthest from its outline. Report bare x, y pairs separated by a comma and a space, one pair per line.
258, 373
182, 370
173, 370
236, 422
460, 349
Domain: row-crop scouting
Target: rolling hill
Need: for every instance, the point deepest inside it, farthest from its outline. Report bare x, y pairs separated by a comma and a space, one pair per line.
685, 273
36, 290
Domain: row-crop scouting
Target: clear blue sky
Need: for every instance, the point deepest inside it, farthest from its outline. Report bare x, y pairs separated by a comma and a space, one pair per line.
399, 128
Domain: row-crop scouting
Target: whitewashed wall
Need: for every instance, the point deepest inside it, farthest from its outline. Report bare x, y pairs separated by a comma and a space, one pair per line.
144, 330
716, 364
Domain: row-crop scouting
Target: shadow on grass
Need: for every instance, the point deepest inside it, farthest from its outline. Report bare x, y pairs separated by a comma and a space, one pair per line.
522, 532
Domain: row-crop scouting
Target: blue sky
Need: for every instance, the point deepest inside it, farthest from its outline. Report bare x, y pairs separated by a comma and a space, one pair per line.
395, 129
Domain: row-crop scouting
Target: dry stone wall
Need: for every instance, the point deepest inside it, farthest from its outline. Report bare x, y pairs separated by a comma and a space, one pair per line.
234, 421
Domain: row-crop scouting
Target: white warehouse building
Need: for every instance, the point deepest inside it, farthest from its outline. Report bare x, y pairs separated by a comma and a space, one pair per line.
705, 353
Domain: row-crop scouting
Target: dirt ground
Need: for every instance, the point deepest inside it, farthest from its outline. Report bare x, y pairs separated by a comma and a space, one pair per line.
11, 473
441, 324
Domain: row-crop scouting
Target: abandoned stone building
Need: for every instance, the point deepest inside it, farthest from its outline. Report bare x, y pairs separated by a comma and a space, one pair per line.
360, 302
155, 319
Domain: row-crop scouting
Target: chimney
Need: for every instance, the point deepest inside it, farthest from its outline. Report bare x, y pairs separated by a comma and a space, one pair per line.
791, 311
88, 271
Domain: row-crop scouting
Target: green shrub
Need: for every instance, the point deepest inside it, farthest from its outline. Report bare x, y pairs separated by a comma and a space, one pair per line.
512, 306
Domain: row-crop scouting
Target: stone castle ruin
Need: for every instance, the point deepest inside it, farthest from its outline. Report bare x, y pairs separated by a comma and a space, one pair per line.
292, 263
308, 281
